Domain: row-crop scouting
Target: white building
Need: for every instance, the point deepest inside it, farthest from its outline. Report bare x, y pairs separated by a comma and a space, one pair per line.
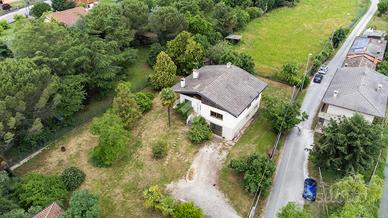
354, 90
225, 95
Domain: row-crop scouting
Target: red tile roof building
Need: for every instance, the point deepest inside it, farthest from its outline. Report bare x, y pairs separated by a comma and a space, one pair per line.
68, 17
52, 211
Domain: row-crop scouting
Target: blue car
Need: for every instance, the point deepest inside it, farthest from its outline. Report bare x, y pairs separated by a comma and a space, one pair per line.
310, 189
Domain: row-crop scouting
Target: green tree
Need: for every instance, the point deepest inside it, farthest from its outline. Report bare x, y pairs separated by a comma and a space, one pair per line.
61, 5
242, 17
113, 139
292, 211
72, 93
40, 190
82, 204
72, 178
382, 7
241, 3
187, 210
187, 7
355, 198
256, 169
282, 113
338, 36
167, 96
199, 25
136, 12
5, 52
125, 106
167, 22
291, 74
155, 49
382, 67
164, 72
144, 100
27, 99
155, 198
350, 145
225, 17
39, 8
199, 130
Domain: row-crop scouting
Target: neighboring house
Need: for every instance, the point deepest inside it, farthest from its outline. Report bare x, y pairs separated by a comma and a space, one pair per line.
68, 17
52, 211
367, 50
355, 90
225, 95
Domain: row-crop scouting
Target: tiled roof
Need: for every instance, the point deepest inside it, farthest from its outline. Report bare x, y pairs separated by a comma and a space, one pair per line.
370, 46
229, 88
68, 17
52, 211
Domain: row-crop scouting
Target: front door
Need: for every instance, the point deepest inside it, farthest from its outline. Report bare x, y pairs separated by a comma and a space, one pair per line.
216, 129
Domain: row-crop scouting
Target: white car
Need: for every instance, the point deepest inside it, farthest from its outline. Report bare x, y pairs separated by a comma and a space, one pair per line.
323, 69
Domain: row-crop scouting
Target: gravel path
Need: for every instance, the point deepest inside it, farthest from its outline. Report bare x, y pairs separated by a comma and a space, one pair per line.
200, 184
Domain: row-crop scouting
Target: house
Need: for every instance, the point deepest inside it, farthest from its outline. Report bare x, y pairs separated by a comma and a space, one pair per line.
354, 90
225, 95
68, 17
367, 50
88, 3
52, 211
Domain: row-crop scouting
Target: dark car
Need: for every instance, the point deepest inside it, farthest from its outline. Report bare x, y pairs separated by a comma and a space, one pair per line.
310, 189
318, 78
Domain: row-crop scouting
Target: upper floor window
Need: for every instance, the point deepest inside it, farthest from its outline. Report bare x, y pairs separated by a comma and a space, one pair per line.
216, 115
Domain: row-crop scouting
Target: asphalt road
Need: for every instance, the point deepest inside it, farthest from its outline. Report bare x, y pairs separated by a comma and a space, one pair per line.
23, 11
292, 166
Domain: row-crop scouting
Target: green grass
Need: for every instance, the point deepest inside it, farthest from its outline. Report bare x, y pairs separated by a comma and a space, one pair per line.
139, 72
290, 34
381, 23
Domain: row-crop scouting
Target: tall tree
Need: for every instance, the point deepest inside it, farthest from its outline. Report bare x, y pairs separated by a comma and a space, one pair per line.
136, 12
164, 72
167, 96
27, 98
39, 8
5, 52
72, 94
351, 145
225, 17
125, 106
82, 204
61, 5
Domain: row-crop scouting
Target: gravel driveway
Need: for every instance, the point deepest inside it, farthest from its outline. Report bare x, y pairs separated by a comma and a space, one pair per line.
200, 184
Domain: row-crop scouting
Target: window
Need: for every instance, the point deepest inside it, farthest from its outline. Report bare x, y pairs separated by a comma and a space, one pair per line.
216, 115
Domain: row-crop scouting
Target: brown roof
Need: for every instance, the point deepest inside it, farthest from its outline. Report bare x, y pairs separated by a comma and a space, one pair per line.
68, 17
52, 211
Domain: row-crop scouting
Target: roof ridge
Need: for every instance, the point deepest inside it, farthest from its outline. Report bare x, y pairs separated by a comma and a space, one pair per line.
362, 94
49, 210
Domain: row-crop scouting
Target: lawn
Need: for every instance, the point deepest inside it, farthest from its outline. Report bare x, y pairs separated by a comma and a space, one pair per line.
259, 137
120, 187
290, 34
381, 23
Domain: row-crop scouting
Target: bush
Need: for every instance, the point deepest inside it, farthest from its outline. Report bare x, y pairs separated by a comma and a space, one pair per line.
291, 74
338, 36
254, 168
144, 100
82, 204
72, 178
155, 198
159, 150
6, 7
155, 49
40, 190
292, 211
254, 12
199, 131
39, 8
4, 24
188, 210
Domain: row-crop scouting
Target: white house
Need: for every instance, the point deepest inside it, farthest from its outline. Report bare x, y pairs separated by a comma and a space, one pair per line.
225, 95
354, 90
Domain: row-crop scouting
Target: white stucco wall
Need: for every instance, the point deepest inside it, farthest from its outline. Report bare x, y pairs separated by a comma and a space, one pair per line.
347, 113
231, 125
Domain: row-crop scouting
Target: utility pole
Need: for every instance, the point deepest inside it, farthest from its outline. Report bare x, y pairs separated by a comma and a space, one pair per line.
305, 71
375, 168
324, 192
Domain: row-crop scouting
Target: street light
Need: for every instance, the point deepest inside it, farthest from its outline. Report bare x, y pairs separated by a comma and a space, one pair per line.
305, 72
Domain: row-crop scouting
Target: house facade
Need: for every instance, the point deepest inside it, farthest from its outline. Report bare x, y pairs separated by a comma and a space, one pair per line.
225, 95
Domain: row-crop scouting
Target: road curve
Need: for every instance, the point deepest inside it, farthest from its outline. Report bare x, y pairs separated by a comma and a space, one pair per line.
292, 165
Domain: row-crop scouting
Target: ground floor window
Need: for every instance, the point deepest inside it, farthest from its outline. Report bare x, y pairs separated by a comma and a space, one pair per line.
217, 129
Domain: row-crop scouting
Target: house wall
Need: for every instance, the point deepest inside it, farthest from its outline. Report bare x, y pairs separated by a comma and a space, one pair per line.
347, 113
231, 126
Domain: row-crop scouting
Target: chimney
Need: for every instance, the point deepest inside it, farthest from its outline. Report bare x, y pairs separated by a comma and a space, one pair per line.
335, 93
379, 87
183, 82
346, 64
228, 65
195, 74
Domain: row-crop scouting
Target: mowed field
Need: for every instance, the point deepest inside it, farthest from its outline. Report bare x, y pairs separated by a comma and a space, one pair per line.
290, 34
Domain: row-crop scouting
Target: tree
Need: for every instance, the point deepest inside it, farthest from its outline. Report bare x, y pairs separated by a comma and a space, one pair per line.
125, 106
136, 12
226, 19
257, 171
199, 25
242, 17
72, 178
199, 130
39, 8
144, 100
5, 52
292, 211
338, 36
355, 198
40, 190
187, 210
291, 74
167, 22
113, 139
155, 49
72, 94
349, 145
241, 3
167, 96
61, 5
382, 67
27, 99
282, 113
82, 204
382, 7
187, 7
164, 72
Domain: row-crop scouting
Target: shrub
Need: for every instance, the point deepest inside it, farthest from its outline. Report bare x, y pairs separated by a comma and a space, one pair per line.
187, 210
159, 150
144, 100
338, 36
82, 204
254, 12
4, 24
40, 190
72, 178
292, 211
199, 130
155, 198
6, 7
39, 8
254, 168
291, 74
155, 49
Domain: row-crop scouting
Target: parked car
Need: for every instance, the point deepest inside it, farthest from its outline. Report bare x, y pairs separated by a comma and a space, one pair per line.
323, 69
310, 189
318, 78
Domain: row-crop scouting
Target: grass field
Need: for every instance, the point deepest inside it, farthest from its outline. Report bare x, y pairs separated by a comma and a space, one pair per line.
290, 34
381, 23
